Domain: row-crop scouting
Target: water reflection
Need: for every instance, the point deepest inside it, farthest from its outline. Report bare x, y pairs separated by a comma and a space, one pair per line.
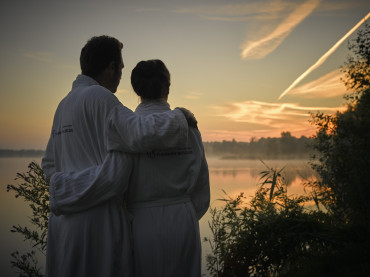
292, 168
236, 176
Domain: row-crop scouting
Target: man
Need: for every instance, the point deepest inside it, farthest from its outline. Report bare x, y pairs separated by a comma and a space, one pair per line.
89, 122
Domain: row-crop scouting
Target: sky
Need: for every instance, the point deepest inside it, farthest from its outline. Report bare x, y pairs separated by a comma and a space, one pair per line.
246, 69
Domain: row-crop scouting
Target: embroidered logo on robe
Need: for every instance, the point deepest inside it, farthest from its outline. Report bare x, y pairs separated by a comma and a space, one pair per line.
65, 129
169, 153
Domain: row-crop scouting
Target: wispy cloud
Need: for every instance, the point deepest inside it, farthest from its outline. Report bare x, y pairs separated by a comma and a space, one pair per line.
148, 9
342, 5
275, 19
323, 58
327, 86
259, 48
238, 12
40, 56
63, 66
122, 91
272, 115
258, 10
193, 95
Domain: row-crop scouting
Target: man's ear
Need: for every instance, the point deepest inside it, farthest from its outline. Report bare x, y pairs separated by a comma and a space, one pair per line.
112, 67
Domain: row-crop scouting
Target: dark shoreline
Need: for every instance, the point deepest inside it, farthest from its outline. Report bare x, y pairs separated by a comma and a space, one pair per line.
30, 153
26, 153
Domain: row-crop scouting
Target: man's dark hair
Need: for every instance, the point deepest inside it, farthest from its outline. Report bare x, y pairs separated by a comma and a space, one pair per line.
151, 79
97, 54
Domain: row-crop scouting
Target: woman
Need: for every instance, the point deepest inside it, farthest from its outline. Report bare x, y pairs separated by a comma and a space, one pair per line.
169, 190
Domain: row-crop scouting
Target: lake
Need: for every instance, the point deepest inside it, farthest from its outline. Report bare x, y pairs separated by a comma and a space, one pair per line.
232, 176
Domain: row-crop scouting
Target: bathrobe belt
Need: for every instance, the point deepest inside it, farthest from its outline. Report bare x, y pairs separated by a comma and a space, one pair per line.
160, 202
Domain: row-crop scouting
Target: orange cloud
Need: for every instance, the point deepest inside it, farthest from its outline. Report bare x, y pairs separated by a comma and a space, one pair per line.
270, 115
264, 113
193, 95
263, 119
327, 86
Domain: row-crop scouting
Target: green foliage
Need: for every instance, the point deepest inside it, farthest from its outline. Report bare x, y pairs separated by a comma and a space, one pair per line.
342, 143
34, 190
343, 160
276, 234
26, 264
272, 235
356, 69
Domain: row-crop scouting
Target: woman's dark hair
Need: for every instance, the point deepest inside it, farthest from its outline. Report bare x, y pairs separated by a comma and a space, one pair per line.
151, 79
97, 54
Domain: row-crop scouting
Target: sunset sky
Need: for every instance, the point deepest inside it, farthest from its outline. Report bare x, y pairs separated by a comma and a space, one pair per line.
232, 63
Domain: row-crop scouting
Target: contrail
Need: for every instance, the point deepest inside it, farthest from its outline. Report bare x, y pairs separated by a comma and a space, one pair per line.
325, 56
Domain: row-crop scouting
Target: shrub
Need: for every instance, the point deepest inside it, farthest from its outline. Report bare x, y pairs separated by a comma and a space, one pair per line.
35, 191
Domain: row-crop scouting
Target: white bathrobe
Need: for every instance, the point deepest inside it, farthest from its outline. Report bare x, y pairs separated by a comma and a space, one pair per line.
89, 121
168, 193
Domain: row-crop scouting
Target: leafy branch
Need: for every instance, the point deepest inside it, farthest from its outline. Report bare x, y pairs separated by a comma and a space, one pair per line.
35, 191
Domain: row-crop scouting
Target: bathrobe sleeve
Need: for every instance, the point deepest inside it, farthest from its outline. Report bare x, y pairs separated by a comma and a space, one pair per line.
131, 132
48, 162
73, 192
200, 195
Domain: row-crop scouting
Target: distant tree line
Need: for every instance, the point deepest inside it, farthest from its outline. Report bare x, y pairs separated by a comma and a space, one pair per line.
283, 147
21, 153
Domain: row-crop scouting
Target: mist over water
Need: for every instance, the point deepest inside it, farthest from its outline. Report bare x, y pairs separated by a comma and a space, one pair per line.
231, 176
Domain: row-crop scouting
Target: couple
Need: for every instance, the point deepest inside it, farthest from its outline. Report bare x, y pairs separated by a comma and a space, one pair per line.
126, 189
